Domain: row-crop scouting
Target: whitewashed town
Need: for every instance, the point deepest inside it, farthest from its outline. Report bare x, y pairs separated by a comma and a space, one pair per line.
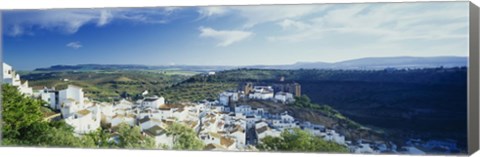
223, 124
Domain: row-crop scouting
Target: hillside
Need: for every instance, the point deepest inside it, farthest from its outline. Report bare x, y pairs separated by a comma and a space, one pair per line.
106, 85
421, 103
325, 115
418, 103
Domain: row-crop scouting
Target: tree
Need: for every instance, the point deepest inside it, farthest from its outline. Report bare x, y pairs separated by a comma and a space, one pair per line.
101, 138
61, 135
184, 138
23, 124
299, 140
131, 137
22, 118
303, 101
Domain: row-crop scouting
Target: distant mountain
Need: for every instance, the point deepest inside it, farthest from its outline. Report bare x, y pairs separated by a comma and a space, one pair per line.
375, 63
371, 63
86, 67
401, 62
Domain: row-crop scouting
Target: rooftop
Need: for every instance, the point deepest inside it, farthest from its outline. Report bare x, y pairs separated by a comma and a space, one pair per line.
155, 131
226, 141
143, 120
213, 146
191, 124
238, 128
262, 129
150, 99
216, 135
83, 112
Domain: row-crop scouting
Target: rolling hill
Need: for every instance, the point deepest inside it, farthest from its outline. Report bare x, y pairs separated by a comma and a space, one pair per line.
373, 63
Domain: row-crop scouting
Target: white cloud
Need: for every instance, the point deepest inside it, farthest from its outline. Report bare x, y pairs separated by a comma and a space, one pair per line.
206, 12
384, 22
254, 15
69, 21
170, 10
74, 45
16, 30
288, 24
224, 37
105, 18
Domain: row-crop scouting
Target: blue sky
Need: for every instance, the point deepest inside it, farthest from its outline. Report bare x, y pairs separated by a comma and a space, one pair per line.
233, 35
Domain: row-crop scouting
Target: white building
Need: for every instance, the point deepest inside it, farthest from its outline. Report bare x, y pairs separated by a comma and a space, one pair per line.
72, 93
106, 111
212, 122
147, 123
68, 100
163, 113
227, 97
259, 124
186, 113
239, 133
262, 93
25, 89
244, 110
284, 121
145, 113
51, 97
72, 100
145, 92
80, 113
160, 136
70, 106
333, 136
251, 119
12, 78
265, 131
314, 129
284, 97
123, 105
127, 119
84, 121
227, 143
153, 102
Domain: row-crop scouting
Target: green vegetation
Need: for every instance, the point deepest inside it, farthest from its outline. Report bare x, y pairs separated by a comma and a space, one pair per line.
427, 75
101, 138
61, 134
184, 138
304, 102
106, 85
298, 140
109, 85
131, 137
23, 125
399, 103
195, 91
47, 111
